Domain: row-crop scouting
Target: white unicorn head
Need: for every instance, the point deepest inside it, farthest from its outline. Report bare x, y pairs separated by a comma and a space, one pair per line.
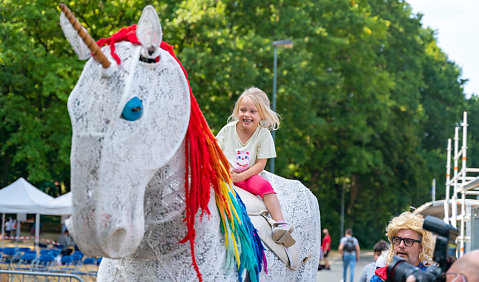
114, 124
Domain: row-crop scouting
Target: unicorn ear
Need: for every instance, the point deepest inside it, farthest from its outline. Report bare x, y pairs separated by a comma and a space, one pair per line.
148, 32
75, 40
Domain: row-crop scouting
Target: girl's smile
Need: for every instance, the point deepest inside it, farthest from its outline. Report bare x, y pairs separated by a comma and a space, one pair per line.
248, 114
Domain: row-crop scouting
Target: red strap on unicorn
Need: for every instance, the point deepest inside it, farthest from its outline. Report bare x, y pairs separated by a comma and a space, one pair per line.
124, 34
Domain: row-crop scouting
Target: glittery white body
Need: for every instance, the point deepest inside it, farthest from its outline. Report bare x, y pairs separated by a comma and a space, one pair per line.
127, 180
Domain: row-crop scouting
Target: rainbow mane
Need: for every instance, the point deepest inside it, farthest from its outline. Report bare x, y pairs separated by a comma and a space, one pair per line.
206, 167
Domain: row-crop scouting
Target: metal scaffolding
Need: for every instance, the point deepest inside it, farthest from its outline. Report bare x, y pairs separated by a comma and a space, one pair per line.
464, 182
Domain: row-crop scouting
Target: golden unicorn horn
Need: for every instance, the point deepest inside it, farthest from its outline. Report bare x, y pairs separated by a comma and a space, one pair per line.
94, 48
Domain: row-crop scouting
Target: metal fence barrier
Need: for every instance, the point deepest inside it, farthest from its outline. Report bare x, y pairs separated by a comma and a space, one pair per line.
10, 274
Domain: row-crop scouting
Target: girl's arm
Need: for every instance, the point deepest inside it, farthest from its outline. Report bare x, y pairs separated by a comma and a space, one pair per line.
255, 169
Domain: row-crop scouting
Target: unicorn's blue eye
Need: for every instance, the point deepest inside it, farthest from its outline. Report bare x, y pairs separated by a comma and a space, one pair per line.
132, 110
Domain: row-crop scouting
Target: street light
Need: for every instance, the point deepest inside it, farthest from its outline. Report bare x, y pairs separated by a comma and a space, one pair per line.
276, 44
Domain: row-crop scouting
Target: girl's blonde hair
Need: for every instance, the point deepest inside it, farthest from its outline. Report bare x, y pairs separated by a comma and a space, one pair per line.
269, 119
412, 221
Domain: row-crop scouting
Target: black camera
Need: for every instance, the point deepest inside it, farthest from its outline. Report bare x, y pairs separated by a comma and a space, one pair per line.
399, 270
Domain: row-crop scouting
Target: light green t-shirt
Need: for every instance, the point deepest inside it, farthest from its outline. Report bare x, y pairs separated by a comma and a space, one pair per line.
243, 156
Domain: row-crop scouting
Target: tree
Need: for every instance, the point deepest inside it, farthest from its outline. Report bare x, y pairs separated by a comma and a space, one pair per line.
367, 98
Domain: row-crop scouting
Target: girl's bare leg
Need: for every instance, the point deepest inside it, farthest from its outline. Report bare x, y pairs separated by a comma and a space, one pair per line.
272, 204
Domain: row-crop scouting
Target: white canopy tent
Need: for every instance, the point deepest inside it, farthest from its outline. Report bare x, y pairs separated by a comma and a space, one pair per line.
23, 197
61, 205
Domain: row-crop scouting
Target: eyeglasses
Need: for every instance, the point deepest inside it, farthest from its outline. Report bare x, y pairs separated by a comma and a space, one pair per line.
407, 241
453, 277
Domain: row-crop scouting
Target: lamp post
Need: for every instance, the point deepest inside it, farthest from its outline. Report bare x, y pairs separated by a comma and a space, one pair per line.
276, 44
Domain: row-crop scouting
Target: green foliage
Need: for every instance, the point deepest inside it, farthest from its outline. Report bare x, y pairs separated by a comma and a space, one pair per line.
366, 96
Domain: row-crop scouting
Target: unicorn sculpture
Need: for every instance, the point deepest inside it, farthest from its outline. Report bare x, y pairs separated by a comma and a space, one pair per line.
144, 164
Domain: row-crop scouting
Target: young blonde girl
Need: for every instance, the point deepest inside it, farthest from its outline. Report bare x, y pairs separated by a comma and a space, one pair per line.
247, 144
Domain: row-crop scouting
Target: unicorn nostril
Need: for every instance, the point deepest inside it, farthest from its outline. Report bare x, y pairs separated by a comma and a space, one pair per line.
116, 240
151, 50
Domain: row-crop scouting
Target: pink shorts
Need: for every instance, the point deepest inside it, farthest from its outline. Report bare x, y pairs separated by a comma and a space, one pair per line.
257, 185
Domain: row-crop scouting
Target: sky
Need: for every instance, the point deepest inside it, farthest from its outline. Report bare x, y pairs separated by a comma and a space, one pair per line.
456, 23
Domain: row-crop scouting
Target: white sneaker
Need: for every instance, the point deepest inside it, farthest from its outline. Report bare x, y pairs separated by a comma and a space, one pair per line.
282, 234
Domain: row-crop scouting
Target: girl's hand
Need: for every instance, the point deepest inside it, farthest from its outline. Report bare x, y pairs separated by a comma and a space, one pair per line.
236, 177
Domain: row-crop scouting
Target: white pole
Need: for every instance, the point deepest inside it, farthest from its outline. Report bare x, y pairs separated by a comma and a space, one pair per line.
3, 225
433, 190
37, 230
448, 179
464, 167
18, 227
454, 197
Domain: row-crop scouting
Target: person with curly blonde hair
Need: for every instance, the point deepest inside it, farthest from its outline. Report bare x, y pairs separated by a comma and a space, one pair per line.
409, 241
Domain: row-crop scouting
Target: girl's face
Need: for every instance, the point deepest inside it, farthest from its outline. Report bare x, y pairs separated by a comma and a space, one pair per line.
248, 114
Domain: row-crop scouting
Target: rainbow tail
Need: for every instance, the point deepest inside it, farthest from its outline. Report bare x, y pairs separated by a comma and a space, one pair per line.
255, 254
244, 249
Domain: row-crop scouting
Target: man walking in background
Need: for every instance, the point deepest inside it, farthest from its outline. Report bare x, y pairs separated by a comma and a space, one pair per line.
326, 247
10, 227
349, 249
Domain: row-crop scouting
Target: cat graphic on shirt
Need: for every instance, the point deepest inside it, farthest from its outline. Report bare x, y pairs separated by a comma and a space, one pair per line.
241, 161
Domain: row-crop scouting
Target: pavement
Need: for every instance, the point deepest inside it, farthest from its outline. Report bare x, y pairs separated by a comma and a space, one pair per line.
336, 264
